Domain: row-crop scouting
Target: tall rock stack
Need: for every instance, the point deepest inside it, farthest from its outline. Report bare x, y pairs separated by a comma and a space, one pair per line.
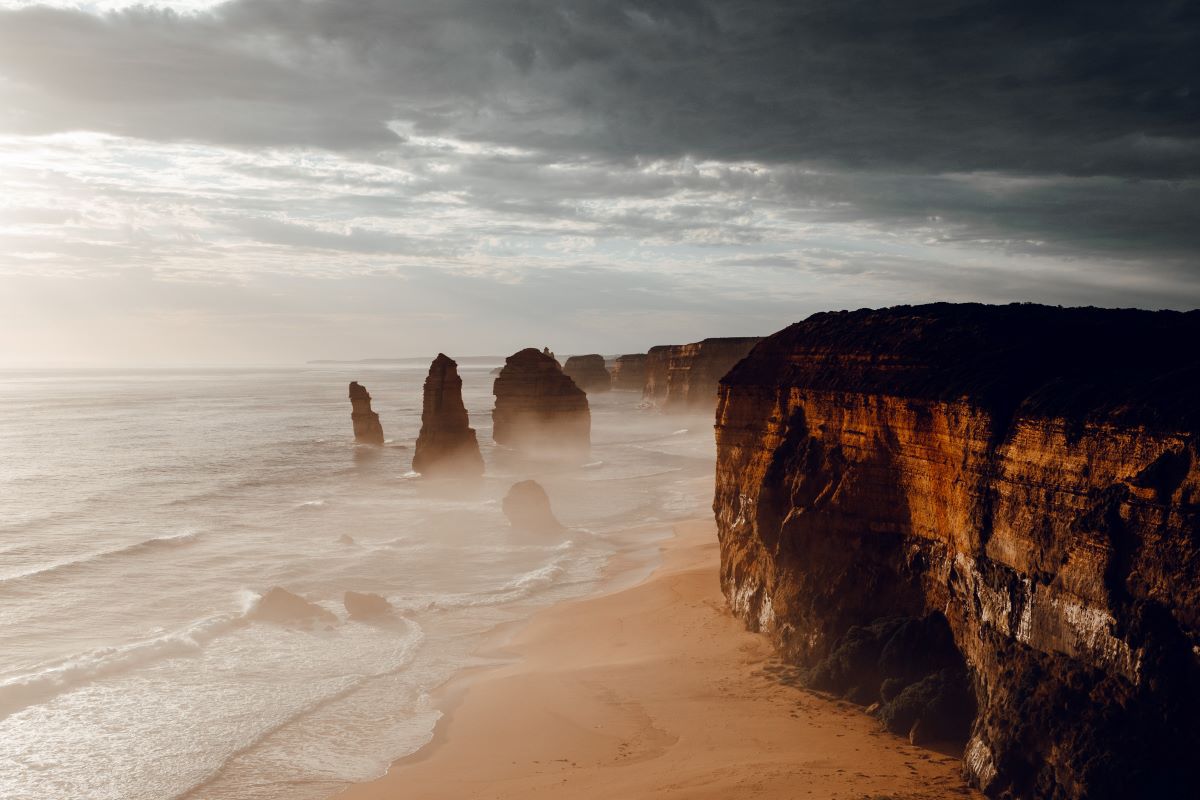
1013, 490
629, 373
446, 445
367, 429
539, 410
589, 373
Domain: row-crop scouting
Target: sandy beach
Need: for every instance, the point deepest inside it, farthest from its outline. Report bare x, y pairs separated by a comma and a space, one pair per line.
655, 691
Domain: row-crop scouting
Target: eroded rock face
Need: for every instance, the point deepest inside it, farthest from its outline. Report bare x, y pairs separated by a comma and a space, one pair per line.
539, 410
367, 429
683, 378
527, 507
286, 608
589, 373
629, 373
364, 605
446, 445
1030, 473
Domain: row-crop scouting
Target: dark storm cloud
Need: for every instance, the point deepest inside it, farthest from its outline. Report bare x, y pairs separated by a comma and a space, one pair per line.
865, 110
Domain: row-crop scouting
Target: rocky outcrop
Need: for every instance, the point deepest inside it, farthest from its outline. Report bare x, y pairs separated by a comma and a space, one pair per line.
285, 608
446, 445
539, 410
629, 373
589, 373
527, 507
364, 605
1022, 479
367, 429
683, 378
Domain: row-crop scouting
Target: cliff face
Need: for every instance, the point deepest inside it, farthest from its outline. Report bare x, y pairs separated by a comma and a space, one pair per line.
446, 444
629, 373
588, 373
367, 429
539, 410
684, 377
1025, 479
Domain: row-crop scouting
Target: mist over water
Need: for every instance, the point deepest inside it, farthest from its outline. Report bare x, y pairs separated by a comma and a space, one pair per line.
143, 512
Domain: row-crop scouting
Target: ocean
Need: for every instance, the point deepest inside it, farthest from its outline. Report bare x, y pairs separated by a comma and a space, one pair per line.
143, 512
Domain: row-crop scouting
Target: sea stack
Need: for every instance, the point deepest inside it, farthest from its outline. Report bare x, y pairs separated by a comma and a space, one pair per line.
527, 507
629, 373
927, 502
446, 445
539, 410
589, 373
683, 378
367, 429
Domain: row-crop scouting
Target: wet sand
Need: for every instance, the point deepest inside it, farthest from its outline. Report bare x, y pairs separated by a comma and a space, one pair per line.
654, 691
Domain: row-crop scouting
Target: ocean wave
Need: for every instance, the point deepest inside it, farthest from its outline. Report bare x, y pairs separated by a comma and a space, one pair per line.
408, 653
170, 540
38, 687
518, 588
311, 504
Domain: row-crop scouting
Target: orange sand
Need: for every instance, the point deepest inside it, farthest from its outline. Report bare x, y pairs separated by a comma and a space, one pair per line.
654, 692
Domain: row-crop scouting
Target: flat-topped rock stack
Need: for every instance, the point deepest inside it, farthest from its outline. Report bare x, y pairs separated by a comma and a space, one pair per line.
446, 445
629, 373
589, 373
539, 410
367, 429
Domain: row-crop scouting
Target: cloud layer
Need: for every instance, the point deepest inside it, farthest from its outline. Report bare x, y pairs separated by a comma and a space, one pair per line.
770, 157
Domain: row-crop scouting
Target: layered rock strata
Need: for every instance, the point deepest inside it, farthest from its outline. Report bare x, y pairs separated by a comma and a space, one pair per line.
629, 373
1022, 479
367, 429
589, 373
683, 378
527, 507
446, 444
539, 410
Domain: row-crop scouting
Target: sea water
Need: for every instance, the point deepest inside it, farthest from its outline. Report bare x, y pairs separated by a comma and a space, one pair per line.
143, 512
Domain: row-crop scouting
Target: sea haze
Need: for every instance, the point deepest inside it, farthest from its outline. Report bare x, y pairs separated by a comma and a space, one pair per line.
144, 512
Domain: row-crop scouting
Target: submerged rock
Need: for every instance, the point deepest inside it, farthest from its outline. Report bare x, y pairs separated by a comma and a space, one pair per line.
446, 445
367, 429
1029, 472
364, 605
527, 507
539, 409
285, 608
589, 373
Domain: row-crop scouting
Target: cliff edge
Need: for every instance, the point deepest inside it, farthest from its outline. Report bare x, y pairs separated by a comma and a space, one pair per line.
1004, 500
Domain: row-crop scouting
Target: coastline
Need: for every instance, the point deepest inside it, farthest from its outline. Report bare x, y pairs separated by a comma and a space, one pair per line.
653, 690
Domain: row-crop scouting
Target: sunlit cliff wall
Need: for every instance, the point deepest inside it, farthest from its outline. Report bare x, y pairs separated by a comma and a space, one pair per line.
1030, 473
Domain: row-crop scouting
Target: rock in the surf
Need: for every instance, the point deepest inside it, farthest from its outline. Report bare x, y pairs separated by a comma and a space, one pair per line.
364, 605
286, 608
527, 507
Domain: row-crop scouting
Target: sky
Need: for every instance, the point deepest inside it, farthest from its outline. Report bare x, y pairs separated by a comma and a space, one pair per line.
273, 181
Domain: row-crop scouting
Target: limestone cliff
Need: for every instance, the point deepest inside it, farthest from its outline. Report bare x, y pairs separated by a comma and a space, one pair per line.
684, 377
629, 372
367, 429
446, 444
539, 410
589, 373
1002, 498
